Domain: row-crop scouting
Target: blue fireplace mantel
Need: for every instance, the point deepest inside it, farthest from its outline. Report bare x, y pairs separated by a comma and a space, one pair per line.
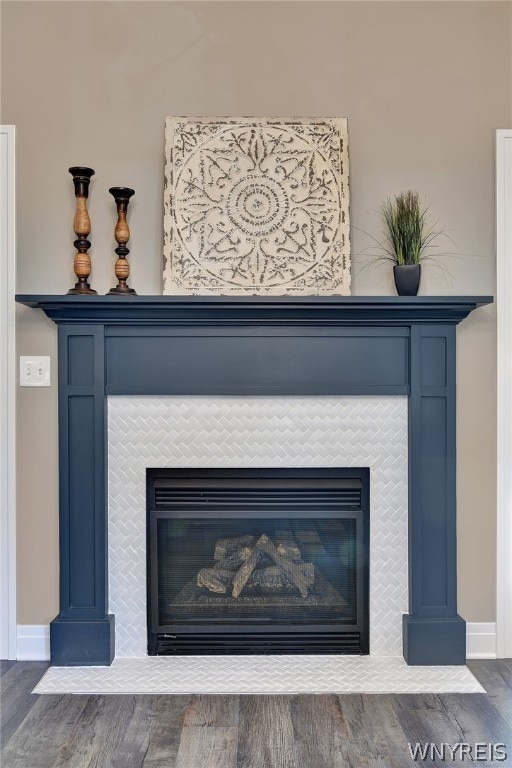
172, 345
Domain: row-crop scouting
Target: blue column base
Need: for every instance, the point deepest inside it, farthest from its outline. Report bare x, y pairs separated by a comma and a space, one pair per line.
434, 641
82, 643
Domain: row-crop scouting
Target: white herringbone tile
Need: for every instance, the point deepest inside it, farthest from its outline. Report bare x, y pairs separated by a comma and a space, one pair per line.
258, 675
258, 432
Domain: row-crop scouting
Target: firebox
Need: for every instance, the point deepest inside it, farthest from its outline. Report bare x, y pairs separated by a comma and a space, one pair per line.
259, 561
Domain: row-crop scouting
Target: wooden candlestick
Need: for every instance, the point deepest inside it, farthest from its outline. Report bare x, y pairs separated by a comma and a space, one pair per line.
122, 197
82, 228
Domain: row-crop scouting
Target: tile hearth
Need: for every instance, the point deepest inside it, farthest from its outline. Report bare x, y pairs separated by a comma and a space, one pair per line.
257, 675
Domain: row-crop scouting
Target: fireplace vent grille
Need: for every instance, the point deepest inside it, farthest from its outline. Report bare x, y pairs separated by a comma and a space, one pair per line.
263, 643
341, 498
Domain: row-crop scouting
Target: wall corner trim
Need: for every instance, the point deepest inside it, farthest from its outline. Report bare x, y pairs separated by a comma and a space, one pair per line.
504, 382
8, 392
33, 642
480, 640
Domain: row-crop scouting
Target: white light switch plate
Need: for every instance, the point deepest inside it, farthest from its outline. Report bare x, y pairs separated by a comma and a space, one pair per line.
34, 371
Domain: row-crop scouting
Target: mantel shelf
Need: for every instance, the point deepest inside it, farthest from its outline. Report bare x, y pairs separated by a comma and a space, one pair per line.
252, 310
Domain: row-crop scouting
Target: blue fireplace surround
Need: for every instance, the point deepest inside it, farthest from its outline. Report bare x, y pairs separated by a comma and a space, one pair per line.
164, 345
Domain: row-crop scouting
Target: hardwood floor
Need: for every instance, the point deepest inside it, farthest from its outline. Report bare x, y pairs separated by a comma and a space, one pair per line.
246, 731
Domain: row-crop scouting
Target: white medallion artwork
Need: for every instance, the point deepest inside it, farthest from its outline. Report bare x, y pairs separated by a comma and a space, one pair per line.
256, 206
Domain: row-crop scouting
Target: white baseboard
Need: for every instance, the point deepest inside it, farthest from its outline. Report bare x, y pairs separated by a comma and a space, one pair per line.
33, 642
481, 640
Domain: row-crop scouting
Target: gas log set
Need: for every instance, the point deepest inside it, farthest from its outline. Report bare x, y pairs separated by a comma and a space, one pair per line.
257, 565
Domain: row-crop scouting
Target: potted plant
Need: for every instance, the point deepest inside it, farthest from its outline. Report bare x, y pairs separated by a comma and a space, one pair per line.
409, 235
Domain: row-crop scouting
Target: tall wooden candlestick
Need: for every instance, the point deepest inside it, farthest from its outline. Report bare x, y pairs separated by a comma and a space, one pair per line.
82, 228
122, 197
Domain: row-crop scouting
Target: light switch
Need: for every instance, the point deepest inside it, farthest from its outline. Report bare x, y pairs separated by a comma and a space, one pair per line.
34, 371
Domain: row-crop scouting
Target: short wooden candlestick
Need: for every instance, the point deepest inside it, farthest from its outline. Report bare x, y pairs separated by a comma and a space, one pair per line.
82, 228
122, 197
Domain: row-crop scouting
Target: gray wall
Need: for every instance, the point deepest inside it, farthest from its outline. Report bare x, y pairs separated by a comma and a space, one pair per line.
424, 86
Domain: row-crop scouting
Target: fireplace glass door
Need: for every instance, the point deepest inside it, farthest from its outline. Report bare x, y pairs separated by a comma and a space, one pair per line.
258, 561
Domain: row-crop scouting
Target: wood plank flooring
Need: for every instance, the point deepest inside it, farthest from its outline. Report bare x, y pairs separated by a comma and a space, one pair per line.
357, 731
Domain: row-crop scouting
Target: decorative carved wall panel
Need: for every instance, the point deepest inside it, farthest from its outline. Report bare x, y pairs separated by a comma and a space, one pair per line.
256, 206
